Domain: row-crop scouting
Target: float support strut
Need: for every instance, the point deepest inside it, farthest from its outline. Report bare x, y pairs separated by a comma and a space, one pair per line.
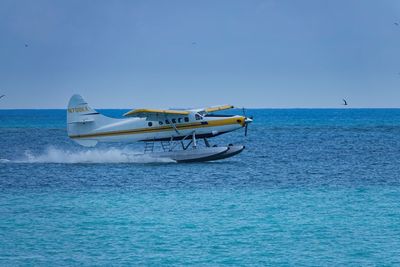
194, 139
206, 142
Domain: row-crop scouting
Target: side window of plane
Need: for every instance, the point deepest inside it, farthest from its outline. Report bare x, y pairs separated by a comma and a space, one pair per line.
150, 124
160, 122
186, 119
167, 122
179, 120
173, 120
197, 116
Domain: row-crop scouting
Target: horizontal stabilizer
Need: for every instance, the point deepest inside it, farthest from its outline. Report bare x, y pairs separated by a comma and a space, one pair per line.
83, 120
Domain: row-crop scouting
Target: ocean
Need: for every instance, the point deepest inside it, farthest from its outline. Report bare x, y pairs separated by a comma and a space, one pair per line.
314, 187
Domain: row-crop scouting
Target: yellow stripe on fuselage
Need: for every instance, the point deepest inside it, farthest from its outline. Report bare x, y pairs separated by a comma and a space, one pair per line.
187, 126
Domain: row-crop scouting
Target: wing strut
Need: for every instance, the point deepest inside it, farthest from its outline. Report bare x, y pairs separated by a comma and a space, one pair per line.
173, 125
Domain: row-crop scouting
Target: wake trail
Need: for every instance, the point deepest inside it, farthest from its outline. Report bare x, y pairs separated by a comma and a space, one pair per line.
109, 155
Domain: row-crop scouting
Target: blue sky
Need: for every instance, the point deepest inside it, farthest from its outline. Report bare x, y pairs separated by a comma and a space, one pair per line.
130, 54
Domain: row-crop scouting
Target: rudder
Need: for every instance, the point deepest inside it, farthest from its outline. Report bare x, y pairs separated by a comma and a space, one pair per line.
81, 119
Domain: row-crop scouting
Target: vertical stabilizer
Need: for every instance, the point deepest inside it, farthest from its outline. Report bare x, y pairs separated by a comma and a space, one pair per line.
82, 119
78, 110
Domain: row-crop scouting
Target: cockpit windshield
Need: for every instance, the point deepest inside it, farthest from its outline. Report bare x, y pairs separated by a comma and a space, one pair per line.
198, 116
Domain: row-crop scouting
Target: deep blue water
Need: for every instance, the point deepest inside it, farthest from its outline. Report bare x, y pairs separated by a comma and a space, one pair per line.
313, 187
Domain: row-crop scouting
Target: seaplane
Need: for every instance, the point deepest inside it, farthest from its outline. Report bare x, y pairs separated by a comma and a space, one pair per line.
178, 131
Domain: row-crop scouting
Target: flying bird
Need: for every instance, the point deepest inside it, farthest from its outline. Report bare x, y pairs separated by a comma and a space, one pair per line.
344, 102
396, 23
1, 96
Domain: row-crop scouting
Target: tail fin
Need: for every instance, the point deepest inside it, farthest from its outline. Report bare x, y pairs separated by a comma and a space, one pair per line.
82, 119
79, 111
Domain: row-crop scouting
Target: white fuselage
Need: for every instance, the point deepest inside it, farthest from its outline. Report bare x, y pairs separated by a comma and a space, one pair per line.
177, 127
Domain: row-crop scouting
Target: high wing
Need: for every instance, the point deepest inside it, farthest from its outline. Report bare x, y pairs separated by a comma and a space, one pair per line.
212, 109
217, 108
155, 114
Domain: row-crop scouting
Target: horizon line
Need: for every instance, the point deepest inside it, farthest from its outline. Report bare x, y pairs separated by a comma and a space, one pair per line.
233, 108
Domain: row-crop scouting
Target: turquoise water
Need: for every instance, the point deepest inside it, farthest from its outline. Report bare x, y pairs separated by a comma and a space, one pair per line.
313, 187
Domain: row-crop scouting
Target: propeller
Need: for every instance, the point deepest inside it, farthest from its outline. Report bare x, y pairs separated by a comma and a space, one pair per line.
247, 120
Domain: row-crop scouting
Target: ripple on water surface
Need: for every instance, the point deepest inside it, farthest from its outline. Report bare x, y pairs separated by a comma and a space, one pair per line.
313, 187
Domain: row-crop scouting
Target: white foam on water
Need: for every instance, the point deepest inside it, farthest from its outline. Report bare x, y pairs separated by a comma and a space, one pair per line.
109, 155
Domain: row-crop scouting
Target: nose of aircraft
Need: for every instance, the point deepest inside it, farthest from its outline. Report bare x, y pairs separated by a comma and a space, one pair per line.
241, 120
244, 120
248, 120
